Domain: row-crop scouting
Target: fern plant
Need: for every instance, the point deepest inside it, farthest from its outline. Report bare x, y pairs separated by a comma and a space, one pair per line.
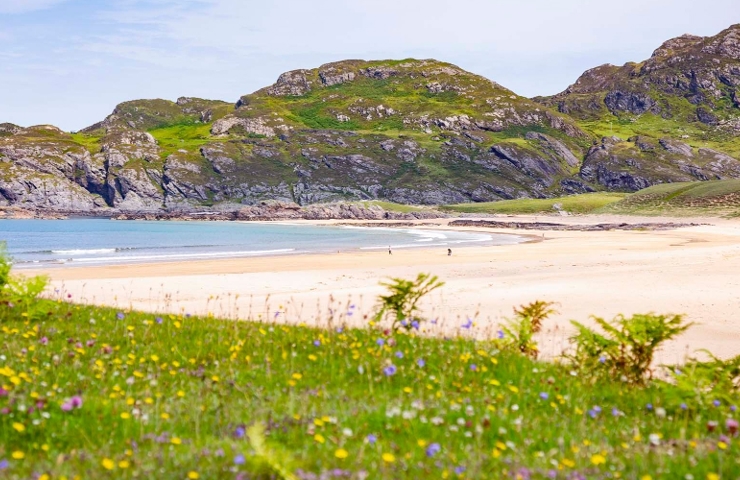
270, 457
402, 302
626, 348
519, 331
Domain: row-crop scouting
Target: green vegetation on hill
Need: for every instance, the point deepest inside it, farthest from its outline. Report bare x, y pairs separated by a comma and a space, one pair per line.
714, 198
96, 393
584, 203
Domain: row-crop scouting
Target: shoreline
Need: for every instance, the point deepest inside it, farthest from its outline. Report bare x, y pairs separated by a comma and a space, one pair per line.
689, 270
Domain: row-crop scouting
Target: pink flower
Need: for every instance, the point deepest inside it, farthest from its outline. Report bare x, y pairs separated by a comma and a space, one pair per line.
732, 426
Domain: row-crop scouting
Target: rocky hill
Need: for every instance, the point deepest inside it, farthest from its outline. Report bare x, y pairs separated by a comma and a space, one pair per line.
409, 131
673, 117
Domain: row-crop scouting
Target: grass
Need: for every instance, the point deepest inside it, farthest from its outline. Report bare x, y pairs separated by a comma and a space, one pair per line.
92, 392
393, 207
584, 203
188, 137
713, 198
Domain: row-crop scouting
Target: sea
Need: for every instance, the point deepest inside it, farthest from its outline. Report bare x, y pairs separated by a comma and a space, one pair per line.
85, 242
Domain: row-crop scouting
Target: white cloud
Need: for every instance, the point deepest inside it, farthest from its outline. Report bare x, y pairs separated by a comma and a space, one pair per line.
25, 6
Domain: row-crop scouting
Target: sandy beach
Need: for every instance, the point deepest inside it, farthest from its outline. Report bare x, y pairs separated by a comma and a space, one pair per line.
694, 271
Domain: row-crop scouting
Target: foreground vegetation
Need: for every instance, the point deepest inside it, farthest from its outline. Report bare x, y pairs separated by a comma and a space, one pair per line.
90, 392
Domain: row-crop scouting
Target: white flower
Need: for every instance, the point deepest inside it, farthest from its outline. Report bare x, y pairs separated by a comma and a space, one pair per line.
654, 439
347, 432
660, 412
514, 407
469, 410
461, 421
454, 428
455, 407
408, 414
437, 421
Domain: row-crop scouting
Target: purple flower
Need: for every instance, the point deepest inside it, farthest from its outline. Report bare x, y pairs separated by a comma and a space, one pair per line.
399, 354
239, 460
616, 412
158, 320
602, 359
380, 342
434, 322
404, 323
459, 469
544, 395
468, 324
420, 362
716, 403
187, 315
240, 432
500, 334
277, 314
649, 406
120, 315
316, 343
433, 449
415, 324
4, 464
732, 426
66, 406
76, 401
684, 406
371, 438
340, 329
473, 367
733, 408
390, 370
44, 341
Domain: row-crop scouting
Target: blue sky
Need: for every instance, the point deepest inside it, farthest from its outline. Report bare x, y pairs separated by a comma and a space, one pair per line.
69, 62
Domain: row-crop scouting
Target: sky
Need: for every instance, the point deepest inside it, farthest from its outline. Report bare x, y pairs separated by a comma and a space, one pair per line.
70, 62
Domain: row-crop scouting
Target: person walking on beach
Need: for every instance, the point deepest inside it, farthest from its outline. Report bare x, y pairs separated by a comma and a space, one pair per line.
389, 250
449, 252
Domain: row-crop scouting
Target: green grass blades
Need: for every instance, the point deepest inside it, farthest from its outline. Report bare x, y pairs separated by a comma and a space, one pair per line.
97, 393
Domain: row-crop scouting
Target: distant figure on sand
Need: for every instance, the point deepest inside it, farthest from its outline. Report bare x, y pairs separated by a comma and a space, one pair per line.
449, 252
389, 250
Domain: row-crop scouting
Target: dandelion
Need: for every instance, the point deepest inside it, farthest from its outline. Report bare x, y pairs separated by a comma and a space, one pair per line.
19, 427
192, 475
389, 458
176, 441
319, 438
598, 459
123, 464
341, 454
108, 464
18, 455
390, 370
433, 449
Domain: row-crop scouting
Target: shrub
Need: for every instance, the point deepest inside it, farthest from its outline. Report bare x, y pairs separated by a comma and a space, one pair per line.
401, 304
626, 348
705, 382
519, 332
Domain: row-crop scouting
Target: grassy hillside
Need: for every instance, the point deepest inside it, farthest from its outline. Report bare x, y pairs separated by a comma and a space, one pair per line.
584, 203
713, 198
97, 393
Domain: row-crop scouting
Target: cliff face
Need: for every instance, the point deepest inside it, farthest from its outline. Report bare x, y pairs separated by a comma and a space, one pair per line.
409, 131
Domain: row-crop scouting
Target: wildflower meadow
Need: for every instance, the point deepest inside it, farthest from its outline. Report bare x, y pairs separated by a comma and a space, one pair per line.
89, 392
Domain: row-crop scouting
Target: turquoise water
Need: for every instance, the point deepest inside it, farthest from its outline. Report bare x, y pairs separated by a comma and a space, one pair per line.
44, 243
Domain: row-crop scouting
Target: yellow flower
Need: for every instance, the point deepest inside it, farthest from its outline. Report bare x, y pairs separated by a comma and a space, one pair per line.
154, 358
123, 464
341, 453
176, 441
44, 477
125, 415
18, 455
108, 464
646, 477
193, 475
389, 458
180, 393
421, 443
319, 438
712, 476
215, 378
568, 463
496, 453
501, 446
598, 459
297, 376
722, 445
19, 427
